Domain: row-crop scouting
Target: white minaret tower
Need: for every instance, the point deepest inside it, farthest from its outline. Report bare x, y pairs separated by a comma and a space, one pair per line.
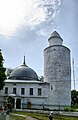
57, 71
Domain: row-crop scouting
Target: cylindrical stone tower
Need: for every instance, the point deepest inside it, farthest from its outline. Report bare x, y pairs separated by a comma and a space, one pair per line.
57, 71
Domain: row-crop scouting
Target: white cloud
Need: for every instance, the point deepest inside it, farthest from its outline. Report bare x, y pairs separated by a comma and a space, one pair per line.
14, 13
11, 15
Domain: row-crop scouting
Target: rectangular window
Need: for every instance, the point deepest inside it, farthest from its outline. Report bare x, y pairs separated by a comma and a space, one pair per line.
14, 84
14, 90
39, 91
6, 90
22, 91
31, 91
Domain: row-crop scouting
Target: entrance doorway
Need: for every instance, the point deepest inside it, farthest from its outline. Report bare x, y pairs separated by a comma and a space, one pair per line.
18, 103
11, 102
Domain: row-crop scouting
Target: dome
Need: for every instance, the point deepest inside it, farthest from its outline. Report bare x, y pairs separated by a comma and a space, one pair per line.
23, 72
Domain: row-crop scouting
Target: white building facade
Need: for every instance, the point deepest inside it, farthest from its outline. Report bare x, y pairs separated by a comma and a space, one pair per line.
25, 90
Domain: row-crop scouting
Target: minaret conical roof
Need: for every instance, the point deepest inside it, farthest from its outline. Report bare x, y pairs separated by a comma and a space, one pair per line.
55, 39
55, 34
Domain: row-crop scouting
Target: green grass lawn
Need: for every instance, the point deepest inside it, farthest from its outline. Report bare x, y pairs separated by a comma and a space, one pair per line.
45, 116
13, 117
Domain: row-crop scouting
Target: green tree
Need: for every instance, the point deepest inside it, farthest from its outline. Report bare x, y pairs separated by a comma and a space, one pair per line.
74, 97
2, 72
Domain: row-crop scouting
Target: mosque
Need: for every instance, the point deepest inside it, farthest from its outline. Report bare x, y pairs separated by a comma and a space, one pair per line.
25, 90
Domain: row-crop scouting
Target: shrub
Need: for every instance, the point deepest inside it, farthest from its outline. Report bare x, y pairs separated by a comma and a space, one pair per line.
69, 109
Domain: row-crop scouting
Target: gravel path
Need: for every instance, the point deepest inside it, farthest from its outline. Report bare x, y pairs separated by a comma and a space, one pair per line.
30, 118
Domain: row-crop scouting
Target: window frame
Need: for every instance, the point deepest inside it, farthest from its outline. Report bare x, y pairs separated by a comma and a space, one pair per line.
6, 90
31, 91
39, 91
14, 90
22, 91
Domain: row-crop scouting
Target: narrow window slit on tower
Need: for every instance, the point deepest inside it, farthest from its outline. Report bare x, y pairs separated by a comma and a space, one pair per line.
51, 87
59, 70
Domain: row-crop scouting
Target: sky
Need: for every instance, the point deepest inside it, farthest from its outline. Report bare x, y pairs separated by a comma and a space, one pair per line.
26, 25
